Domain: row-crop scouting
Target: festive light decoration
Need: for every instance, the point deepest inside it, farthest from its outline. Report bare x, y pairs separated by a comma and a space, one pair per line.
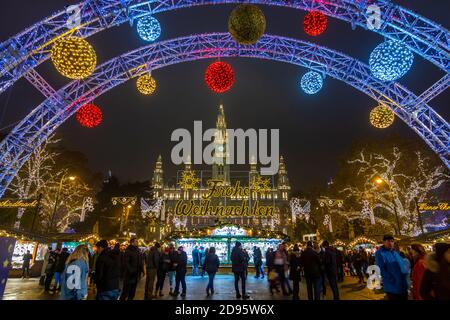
297, 210
146, 84
152, 210
219, 77
361, 240
311, 82
327, 222
189, 181
74, 58
260, 185
374, 280
367, 211
246, 24
148, 28
89, 115
315, 23
381, 117
390, 60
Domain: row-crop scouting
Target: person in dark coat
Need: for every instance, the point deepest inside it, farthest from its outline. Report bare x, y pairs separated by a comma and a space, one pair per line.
239, 268
340, 265
294, 272
310, 262
435, 283
107, 272
195, 261
26, 264
331, 268
180, 269
257, 260
152, 264
163, 268
133, 265
212, 264
269, 259
59, 269
50, 269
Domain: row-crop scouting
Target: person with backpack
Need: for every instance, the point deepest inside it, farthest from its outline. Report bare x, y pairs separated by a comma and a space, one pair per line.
295, 264
181, 269
163, 268
75, 274
133, 270
239, 268
310, 262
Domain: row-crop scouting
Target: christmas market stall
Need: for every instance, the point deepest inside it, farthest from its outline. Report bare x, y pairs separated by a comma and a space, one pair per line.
364, 242
223, 238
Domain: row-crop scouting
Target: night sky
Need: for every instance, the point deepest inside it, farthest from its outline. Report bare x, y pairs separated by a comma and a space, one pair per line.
315, 131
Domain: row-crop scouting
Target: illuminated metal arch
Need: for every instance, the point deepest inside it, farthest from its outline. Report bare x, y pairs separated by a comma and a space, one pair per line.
44, 119
26, 50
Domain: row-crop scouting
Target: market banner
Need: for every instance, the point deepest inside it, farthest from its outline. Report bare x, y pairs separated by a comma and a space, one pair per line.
434, 206
6, 252
19, 203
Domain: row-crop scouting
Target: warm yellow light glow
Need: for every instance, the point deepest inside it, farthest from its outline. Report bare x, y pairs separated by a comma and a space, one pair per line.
74, 58
129, 207
72, 178
146, 84
379, 181
381, 117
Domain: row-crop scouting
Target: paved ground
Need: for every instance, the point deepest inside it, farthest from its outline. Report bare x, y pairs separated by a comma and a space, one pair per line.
29, 289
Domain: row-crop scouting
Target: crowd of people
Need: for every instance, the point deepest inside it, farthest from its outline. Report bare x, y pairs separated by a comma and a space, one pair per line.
116, 270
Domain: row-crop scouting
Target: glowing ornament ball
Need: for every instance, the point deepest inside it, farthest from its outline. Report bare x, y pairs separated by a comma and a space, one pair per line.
74, 57
148, 28
315, 23
390, 60
219, 77
311, 82
89, 115
381, 117
146, 84
246, 24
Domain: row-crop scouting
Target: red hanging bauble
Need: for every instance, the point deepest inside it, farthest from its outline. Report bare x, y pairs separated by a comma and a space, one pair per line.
315, 23
219, 76
89, 115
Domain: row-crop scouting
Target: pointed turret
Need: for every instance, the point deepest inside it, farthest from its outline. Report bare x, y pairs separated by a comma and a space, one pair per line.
283, 180
220, 169
157, 180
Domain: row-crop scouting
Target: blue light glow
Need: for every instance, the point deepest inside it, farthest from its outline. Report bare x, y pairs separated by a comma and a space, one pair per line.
148, 28
390, 60
311, 82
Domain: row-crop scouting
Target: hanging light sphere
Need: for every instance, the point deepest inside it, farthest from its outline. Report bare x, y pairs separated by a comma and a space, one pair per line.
219, 77
315, 23
311, 82
89, 115
146, 84
148, 28
390, 60
381, 117
74, 58
247, 24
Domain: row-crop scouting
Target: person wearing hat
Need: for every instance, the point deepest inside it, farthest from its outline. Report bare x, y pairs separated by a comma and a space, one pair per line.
238, 266
107, 273
436, 278
393, 270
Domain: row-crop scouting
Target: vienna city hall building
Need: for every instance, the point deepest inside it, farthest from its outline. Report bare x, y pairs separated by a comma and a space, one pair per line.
217, 206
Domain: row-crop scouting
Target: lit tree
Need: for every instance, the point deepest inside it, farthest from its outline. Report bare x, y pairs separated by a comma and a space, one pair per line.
40, 175
394, 181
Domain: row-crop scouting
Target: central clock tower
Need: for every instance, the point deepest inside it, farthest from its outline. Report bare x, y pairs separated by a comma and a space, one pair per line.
221, 168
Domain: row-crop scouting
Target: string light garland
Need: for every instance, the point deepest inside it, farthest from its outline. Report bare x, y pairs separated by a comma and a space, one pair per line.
247, 24
315, 23
89, 115
361, 240
219, 77
381, 117
74, 58
146, 84
148, 28
311, 82
390, 60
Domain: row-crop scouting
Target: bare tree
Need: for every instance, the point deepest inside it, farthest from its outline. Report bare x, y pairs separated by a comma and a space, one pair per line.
38, 176
394, 182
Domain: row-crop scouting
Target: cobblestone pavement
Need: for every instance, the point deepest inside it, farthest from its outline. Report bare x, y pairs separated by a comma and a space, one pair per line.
29, 289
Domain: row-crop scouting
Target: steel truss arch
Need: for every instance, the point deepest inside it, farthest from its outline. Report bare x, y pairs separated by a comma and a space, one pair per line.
44, 119
28, 49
